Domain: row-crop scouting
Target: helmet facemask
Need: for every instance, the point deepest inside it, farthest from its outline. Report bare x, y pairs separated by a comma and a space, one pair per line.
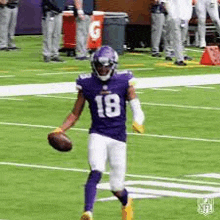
104, 62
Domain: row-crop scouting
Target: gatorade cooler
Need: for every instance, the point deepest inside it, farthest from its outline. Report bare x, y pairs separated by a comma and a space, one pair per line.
95, 31
69, 30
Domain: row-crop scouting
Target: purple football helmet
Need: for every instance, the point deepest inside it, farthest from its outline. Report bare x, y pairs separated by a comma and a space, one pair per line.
104, 57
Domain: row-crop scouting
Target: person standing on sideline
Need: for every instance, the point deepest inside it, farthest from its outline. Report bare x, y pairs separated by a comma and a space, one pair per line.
83, 12
52, 22
180, 12
8, 22
202, 7
107, 91
158, 13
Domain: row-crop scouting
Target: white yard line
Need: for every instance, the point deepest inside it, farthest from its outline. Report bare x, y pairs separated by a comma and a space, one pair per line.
181, 106
107, 173
7, 76
13, 99
56, 97
59, 73
195, 50
135, 134
164, 89
201, 87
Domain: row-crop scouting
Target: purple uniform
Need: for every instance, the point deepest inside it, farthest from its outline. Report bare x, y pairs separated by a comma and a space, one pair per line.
107, 103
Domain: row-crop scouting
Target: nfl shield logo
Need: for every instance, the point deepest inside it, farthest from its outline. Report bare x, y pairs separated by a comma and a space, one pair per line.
205, 206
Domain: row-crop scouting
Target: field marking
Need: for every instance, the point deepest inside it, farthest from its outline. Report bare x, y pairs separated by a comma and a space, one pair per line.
13, 99
181, 106
207, 175
133, 134
107, 173
201, 87
7, 76
78, 72
141, 83
194, 50
164, 89
56, 97
59, 73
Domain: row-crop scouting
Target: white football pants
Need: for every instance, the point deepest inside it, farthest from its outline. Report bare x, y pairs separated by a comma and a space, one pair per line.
202, 7
102, 149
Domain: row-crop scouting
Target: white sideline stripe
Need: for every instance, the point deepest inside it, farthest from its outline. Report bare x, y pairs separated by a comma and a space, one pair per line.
146, 135
150, 82
37, 89
207, 175
107, 173
180, 106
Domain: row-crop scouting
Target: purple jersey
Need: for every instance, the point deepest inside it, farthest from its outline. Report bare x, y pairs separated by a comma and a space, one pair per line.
107, 103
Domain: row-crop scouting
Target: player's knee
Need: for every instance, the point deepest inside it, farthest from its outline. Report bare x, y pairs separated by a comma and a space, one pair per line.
94, 177
116, 185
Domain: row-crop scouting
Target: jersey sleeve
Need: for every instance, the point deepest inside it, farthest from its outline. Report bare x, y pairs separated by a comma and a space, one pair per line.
81, 81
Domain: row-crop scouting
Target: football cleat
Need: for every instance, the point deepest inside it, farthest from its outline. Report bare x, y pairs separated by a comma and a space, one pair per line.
127, 211
87, 216
137, 128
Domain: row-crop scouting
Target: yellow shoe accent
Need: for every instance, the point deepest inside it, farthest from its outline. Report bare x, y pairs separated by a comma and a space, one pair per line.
137, 128
127, 211
87, 216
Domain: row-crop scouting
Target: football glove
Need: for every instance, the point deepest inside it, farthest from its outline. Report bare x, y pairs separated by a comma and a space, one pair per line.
137, 128
58, 130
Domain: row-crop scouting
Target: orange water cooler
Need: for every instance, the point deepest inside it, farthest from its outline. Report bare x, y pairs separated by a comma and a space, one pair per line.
69, 31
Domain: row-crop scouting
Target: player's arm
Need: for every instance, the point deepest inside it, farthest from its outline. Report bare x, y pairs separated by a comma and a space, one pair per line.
79, 7
138, 115
74, 115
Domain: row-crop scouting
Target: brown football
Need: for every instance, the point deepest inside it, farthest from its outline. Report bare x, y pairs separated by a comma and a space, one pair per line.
60, 141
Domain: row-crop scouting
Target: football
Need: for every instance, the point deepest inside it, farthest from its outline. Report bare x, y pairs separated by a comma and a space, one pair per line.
60, 141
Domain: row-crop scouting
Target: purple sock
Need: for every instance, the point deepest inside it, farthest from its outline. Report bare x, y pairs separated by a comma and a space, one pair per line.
90, 189
122, 196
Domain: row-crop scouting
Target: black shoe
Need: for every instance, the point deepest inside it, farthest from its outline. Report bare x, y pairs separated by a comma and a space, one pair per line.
188, 58
46, 59
14, 48
4, 49
156, 55
168, 58
82, 58
180, 63
57, 60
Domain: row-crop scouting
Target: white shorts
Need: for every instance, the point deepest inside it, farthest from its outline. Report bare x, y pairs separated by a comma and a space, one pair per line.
102, 149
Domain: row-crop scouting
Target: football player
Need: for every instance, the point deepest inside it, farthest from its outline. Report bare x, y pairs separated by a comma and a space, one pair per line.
107, 92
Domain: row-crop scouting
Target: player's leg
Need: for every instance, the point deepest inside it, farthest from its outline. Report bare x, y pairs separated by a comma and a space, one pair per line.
47, 30
201, 14
97, 155
117, 162
56, 35
4, 16
167, 37
214, 15
156, 32
11, 27
177, 41
82, 36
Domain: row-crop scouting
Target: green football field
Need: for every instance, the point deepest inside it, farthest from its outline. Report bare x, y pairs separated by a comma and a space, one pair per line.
173, 169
